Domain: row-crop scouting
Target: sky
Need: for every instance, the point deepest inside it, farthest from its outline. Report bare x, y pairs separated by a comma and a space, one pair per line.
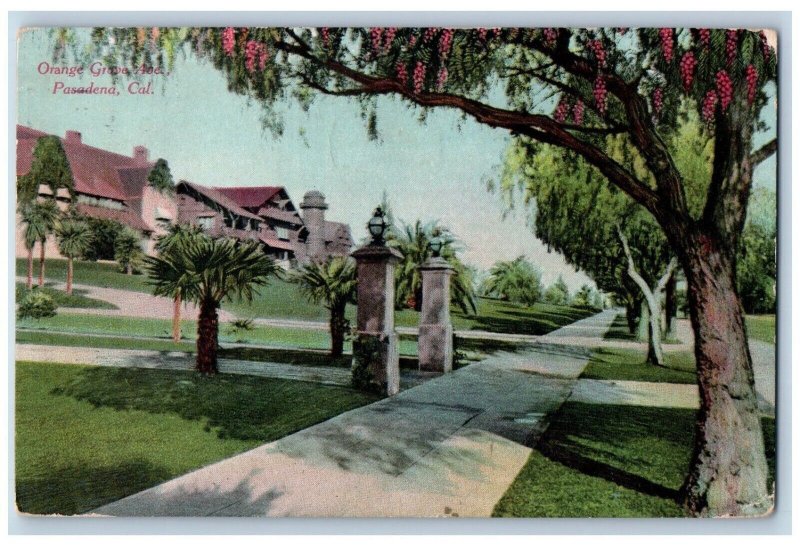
430, 171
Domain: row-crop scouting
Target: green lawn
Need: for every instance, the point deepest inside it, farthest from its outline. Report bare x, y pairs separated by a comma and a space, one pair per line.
106, 275
761, 327
86, 436
609, 461
131, 333
62, 299
630, 365
281, 299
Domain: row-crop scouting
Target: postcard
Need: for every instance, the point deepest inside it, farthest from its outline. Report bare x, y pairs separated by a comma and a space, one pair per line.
396, 272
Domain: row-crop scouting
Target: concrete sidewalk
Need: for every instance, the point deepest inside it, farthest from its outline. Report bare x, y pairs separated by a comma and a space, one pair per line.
449, 447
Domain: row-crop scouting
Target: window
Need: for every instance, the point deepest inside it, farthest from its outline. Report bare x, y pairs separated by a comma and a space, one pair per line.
282, 232
207, 222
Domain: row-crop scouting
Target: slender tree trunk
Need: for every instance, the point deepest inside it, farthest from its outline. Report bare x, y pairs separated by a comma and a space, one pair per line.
653, 298
29, 282
69, 276
729, 469
337, 326
207, 333
129, 268
41, 261
176, 318
643, 328
671, 308
630, 314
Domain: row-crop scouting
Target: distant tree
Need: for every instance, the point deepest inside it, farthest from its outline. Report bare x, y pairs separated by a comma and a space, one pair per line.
517, 281
208, 271
333, 284
413, 242
160, 177
45, 216
177, 237
74, 237
756, 264
557, 293
49, 166
33, 231
104, 232
128, 249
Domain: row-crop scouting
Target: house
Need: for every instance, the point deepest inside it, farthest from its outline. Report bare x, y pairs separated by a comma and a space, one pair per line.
107, 185
266, 214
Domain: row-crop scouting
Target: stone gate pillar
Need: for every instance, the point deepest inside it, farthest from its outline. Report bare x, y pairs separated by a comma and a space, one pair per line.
435, 329
376, 355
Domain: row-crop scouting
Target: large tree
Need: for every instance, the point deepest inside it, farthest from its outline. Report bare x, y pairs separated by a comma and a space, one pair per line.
517, 281
160, 177
607, 81
207, 271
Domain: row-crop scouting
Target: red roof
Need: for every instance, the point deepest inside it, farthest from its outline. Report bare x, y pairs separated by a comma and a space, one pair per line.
221, 198
95, 171
275, 243
124, 216
250, 197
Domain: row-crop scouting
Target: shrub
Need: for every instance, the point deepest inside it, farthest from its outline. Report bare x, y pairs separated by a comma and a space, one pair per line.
36, 305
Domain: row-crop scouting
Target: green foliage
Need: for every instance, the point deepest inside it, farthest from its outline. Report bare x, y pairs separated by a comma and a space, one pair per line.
557, 293
413, 242
331, 283
756, 267
49, 167
36, 305
211, 270
74, 237
75, 300
517, 281
587, 296
104, 235
128, 249
160, 177
236, 328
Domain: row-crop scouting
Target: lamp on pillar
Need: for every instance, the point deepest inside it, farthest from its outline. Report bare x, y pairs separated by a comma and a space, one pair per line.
436, 246
376, 357
377, 226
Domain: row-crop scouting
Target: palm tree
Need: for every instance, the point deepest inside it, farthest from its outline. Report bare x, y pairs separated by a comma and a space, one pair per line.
128, 249
413, 242
207, 271
332, 283
177, 236
517, 281
32, 233
41, 219
74, 239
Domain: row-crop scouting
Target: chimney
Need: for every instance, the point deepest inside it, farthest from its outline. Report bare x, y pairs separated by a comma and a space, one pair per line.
72, 137
140, 154
314, 206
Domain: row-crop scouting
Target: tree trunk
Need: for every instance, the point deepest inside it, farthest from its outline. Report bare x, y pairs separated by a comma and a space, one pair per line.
129, 268
337, 326
729, 470
176, 318
69, 276
41, 262
29, 282
207, 332
630, 314
671, 308
643, 328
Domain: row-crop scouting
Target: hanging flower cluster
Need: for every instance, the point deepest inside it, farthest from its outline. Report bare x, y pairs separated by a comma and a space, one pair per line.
228, 41
577, 112
600, 94
667, 43
687, 64
255, 53
419, 77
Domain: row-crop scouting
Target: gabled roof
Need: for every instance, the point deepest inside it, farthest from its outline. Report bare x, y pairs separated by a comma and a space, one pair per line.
253, 197
95, 171
126, 217
220, 198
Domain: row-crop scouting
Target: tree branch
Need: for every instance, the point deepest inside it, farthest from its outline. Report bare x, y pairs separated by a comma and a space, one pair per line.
764, 152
